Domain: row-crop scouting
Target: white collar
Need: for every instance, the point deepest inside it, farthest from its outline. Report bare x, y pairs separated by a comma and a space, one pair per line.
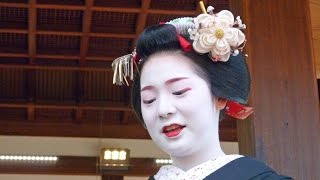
199, 172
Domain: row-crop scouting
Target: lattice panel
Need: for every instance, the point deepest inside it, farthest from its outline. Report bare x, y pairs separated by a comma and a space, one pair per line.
109, 46
57, 44
219, 4
59, 20
113, 22
15, 1
57, 62
98, 87
63, 2
13, 60
92, 63
157, 18
55, 85
12, 84
174, 5
13, 17
13, 43
118, 3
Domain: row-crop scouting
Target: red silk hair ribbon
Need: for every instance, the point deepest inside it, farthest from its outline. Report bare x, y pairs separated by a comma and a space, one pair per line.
186, 46
237, 110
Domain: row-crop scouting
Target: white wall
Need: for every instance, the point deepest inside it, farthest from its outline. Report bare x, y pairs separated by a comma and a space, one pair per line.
31, 145
56, 177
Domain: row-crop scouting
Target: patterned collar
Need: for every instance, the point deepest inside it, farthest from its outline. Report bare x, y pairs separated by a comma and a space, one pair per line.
199, 172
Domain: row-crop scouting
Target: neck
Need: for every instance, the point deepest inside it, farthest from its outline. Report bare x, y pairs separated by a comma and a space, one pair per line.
211, 152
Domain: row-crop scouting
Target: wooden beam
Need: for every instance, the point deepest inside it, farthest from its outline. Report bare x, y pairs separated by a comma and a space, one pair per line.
141, 22
59, 33
87, 106
53, 56
17, 31
55, 68
86, 24
116, 9
71, 129
95, 8
113, 35
284, 92
70, 33
91, 34
104, 9
30, 114
17, 55
60, 6
78, 115
32, 26
77, 165
12, 5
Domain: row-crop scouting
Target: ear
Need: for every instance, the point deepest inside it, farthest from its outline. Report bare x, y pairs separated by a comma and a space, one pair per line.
220, 103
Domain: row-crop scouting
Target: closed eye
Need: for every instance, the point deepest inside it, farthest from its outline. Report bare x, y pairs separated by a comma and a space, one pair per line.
148, 101
181, 92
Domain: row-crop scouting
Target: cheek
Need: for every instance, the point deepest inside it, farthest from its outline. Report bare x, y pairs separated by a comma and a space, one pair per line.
148, 115
197, 100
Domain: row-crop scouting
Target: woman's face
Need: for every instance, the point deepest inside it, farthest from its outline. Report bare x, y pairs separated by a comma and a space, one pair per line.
177, 106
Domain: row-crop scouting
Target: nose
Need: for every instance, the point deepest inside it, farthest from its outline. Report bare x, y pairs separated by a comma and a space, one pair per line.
166, 108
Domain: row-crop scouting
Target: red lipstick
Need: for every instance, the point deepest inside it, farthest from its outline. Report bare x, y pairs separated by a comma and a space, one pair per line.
172, 130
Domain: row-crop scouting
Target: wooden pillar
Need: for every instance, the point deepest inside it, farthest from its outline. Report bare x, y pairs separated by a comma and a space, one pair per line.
284, 130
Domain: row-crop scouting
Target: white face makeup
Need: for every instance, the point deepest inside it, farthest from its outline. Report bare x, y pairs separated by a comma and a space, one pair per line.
177, 106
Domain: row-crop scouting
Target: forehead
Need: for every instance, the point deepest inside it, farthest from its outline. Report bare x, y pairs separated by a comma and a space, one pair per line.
164, 66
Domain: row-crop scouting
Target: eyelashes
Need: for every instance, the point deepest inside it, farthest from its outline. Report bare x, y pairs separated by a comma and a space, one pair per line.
176, 93
181, 92
148, 101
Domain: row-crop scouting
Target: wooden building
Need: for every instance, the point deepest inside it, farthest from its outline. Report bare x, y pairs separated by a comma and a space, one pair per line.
57, 97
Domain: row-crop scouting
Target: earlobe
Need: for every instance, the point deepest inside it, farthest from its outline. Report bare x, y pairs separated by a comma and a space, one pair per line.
220, 103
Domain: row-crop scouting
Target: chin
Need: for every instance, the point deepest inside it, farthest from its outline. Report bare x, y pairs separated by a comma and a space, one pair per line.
179, 152
178, 149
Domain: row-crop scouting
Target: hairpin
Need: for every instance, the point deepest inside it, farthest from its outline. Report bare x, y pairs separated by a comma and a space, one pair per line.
123, 67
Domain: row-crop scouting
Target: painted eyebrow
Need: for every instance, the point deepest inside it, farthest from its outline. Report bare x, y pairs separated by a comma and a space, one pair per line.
170, 81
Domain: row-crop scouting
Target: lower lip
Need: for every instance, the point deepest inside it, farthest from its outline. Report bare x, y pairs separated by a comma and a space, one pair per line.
174, 132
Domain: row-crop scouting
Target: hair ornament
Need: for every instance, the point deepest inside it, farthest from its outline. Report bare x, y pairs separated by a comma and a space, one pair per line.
217, 34
123, 68
186, 46
237, 110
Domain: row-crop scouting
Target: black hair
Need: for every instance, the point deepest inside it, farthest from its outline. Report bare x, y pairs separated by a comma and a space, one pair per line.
229, 80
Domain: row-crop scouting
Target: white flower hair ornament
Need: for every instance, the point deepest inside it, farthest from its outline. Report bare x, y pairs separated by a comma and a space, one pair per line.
218, 34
